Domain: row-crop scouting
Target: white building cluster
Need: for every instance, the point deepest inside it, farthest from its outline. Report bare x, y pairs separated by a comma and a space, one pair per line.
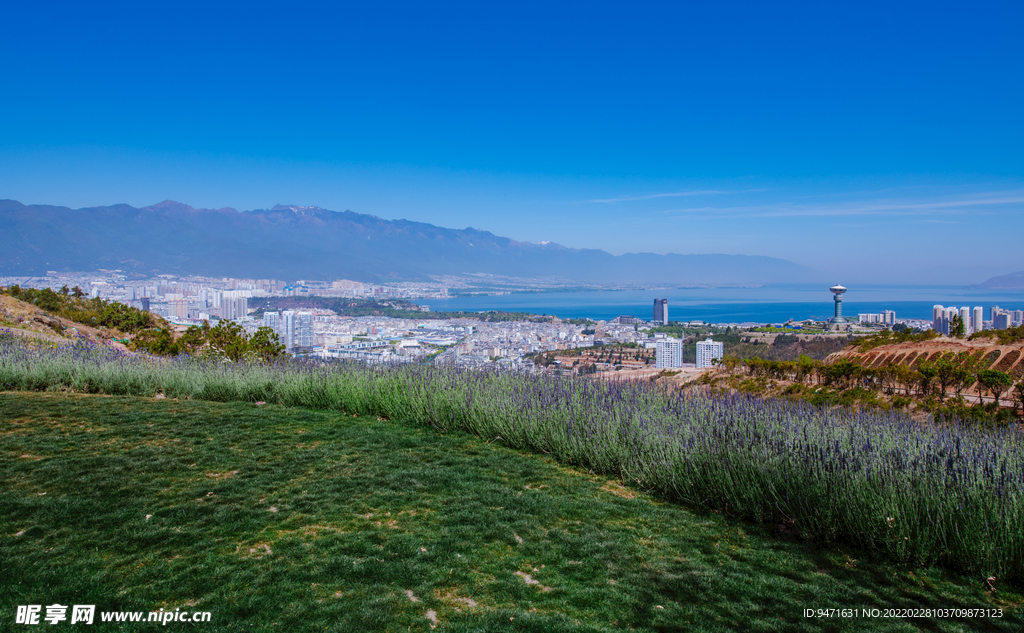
1004, 319
973, 319
886, 317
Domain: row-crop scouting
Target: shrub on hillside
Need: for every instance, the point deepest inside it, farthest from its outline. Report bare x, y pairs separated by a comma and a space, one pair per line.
888, 337
72, 304
1003, 337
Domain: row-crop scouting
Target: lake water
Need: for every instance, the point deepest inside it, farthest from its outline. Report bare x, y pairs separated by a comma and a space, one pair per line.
767, 304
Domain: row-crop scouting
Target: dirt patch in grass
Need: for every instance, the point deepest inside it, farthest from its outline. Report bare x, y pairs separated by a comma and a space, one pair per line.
618, 490
530, 580
224, 475
255, 550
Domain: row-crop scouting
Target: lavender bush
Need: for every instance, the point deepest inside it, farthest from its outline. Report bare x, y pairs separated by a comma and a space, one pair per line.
919, 493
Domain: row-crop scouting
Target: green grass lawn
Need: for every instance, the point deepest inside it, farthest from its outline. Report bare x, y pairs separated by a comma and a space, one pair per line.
296, 520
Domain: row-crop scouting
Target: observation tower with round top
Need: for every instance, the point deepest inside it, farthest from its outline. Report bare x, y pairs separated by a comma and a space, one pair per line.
838, 291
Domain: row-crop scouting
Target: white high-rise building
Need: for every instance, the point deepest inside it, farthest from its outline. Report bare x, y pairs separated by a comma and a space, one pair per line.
708, 351
942, 317
978, 320
965, 316
668, 353
288, 329
232, 308
272, 320
304, 329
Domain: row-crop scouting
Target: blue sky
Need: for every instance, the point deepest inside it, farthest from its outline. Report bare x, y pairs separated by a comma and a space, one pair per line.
872, 141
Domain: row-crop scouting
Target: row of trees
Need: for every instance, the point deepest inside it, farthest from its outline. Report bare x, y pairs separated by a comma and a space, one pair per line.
950, 372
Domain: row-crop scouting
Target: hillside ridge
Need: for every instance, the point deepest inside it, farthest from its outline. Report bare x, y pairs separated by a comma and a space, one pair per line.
305, 242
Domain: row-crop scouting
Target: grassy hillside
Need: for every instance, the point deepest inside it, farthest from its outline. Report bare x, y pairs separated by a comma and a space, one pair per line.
275, 518
912, 491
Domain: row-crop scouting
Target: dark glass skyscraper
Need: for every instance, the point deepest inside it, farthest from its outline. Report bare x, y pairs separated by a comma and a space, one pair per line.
661, 311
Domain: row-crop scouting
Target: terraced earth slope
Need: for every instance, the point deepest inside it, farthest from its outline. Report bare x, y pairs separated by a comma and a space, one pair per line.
1007, 358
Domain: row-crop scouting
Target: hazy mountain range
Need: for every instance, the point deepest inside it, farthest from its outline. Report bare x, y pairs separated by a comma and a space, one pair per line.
1013, 281
292, 242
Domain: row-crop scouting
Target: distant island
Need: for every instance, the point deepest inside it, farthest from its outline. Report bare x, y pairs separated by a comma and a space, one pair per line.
295, 242
1013, 281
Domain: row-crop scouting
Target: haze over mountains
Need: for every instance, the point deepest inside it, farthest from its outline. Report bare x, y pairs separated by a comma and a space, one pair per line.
293, 242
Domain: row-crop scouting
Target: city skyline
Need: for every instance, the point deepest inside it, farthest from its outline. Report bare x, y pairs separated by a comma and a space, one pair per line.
667, 129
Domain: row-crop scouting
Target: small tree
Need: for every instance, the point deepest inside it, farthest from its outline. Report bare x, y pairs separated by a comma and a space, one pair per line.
957, 329
926, 373
806, 367
950, 372
906, 377
227, 339
995, 382
887, 376
1018, 396
265, 344
158, 341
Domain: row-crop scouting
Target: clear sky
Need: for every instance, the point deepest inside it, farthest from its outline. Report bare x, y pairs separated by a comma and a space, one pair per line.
875, 141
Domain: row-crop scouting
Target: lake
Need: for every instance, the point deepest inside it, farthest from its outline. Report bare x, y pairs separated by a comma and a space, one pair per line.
767, 304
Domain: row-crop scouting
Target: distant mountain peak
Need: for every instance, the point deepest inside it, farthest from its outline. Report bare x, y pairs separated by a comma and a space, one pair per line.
171, 206
300, 210
1012, 281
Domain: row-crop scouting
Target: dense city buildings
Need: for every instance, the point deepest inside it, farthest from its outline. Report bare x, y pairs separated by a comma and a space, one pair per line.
661, 311
189, 300
708, 351
512, 344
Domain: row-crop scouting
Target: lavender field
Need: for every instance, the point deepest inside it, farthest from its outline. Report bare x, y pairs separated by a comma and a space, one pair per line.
920, 494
